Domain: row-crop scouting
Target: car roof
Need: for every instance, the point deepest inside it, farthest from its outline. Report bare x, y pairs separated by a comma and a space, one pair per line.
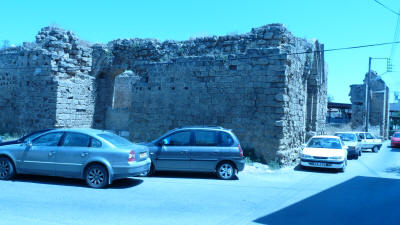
89, 131
214, 128
346, 132
326, 136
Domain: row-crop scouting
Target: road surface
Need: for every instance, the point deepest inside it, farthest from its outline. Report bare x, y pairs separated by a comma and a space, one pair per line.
367, 193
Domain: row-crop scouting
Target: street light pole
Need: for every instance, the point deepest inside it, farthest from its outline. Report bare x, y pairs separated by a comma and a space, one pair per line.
368, 95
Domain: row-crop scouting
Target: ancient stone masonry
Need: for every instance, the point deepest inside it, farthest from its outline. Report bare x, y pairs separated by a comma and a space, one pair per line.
379, 106
46, 83
255, 83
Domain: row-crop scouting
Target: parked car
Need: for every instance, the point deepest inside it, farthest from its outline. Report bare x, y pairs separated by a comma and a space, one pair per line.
350, 140
324, 152
395, 142
369, 141
25, 138
96, 156
198, 148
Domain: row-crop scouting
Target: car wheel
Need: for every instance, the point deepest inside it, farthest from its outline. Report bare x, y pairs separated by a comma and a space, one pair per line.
343, 169
226, 171
359, 153
150, 172
375, 149
356, 156
7, 171
96, 176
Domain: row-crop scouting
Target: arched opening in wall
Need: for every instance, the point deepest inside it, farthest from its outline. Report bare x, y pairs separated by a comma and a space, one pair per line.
122, 94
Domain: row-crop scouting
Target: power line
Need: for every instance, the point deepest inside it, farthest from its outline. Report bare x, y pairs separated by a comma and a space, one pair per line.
396, 37
391, 10
219, 59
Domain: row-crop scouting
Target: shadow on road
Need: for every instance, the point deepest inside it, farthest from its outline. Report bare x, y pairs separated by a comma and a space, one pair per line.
395, 170
117, 184
185, 175
360, 200
315, 169
395, 150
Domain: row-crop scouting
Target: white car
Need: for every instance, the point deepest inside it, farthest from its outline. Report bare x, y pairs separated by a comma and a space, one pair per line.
369, 141
324, 152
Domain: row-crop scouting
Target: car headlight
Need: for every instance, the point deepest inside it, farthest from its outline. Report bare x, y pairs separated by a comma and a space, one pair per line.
336, 157
305, 156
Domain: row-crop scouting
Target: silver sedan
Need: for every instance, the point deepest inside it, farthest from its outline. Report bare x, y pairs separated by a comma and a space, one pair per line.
98, 157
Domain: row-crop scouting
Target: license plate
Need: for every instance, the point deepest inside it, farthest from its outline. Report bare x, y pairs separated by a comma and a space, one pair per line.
320, 164
143, 155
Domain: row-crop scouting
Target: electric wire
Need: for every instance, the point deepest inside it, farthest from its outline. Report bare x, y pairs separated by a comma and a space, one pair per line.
386, 7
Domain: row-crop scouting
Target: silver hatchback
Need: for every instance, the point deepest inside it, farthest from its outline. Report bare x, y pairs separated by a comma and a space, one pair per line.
98, 157
198, 149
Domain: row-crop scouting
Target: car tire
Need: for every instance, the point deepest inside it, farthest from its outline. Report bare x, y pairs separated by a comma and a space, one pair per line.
356, 156
7, 170
375, 149
360, 152
96, 176
150, 172
226, 171
343, 169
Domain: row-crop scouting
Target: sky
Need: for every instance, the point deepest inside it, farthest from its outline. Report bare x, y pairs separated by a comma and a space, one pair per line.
335, 23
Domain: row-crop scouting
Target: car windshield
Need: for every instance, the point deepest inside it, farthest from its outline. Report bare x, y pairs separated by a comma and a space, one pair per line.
396, 135
115, 139
346, 137
324, 143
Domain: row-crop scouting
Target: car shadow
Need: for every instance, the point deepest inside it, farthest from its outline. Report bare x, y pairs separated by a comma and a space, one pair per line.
315, 169
117, 184
395, 149
360, 200
185, 175
395, 170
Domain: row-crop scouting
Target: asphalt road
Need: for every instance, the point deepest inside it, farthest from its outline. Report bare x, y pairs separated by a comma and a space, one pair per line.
367, 193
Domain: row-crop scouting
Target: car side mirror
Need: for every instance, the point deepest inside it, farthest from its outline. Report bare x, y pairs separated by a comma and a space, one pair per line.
28, 145
165, 141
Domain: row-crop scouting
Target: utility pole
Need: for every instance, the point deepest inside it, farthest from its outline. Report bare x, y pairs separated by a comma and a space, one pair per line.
368, 95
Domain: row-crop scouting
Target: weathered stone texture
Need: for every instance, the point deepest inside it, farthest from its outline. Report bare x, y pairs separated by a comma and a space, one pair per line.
255, 83
379, 106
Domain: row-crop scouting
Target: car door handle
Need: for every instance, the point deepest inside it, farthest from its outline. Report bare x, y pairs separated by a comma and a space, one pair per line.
84, 154
51, 153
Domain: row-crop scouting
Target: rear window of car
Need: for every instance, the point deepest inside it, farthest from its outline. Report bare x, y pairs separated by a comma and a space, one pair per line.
332, 143
225, 139
115, 139
369, 136
347, 136
396, 135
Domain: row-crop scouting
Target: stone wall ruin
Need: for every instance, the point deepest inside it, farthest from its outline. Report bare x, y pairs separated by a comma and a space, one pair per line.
255, 83
379, 105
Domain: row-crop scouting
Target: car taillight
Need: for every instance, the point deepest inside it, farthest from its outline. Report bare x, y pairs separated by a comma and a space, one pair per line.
240, 151
131, 156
